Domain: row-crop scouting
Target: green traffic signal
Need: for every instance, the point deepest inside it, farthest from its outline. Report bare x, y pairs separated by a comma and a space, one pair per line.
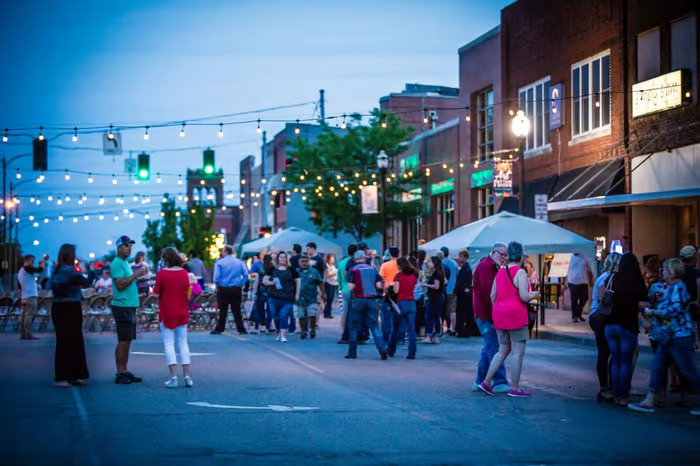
208, 169
208, 161
144, 166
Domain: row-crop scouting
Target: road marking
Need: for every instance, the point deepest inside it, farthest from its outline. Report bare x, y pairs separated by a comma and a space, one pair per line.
275, 408
82, 412
80, 405
146, 353
296, 360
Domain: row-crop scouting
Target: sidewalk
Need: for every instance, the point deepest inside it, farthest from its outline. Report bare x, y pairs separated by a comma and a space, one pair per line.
558, 326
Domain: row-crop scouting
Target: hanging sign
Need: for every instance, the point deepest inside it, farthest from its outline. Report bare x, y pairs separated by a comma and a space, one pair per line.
556, 110
503, 178
541, 207
661, 93
369, 200
113, 145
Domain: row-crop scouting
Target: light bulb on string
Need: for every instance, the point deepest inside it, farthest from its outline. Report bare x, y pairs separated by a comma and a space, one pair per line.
221, 130
60, 218
114, 179
41, 133
242, 180
343, 124
19, 174
136, 181
87, 217
182, 130
297, 130
49, 198
146, 216
90, 178
158, 179
59, 201
383, 124
426, 120
75, 135
179, 179
259, 129
101, 217
101, 201
116, 217
67, 176
4, 136
110, 135
145, 134
75, 219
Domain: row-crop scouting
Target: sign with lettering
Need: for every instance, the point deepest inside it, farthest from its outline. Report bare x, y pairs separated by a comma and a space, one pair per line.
541, 207
412, 195
112, 145
661, 93
503, 178
482, 178
369, 200
556, 108
442, 187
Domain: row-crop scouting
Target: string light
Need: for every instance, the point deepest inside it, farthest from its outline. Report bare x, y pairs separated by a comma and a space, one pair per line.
101, 217
41, 133
19, 174
297, 130
242, 180
60, 218
343, 125
114, 179
259, 129
50, 198
383, 124
179, 179
425, 116
158, 180
221, 130
67, 176
75, 134
182, 130
110, 135
145, 134
4, 137
90, 179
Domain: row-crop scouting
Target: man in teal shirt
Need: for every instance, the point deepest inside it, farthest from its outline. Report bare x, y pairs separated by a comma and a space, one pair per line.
125, 301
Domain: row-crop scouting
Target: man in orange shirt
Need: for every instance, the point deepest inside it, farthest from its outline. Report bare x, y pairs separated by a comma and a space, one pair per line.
388, 271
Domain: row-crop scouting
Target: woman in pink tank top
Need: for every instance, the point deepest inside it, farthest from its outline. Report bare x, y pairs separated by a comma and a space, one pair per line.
510, 295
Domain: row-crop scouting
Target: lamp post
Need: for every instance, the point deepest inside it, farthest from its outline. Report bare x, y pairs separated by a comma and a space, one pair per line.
383, 164
521, 127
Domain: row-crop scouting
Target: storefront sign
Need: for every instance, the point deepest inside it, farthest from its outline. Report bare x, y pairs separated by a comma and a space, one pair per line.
369, 200
556, 109
661, 93
412, 195
541, 207
442, 187
482, 178
560, 265
409, 162
503, 178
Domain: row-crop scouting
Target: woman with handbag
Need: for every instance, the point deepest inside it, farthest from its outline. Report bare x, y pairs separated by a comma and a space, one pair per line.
510, 294
628, 296
597, 319
673, 331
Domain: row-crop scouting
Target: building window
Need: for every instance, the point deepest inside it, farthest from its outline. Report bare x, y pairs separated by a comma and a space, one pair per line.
590, 99
533, 99
648, 55
445, 209
683, 49
485, 202
484, 105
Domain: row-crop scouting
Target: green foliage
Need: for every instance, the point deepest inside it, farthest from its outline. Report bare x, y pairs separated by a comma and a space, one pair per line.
187, 230
330, 171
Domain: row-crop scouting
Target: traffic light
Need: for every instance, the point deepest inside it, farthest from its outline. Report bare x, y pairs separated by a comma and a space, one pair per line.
40, 155
144, 166
208, 161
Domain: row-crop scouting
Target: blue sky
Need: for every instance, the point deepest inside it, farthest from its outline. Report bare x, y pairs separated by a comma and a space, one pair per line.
83, 63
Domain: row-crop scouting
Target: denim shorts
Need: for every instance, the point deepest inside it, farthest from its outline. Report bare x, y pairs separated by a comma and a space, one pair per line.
125, 317
506, 336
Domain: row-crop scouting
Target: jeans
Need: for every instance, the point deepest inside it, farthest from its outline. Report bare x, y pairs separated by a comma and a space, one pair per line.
597, 322
387, 320
261, 312
622, 345
680, 351
364, 311
488, 351
579, 296
282, 310
408, 316
433, 322
175, 340
330, 296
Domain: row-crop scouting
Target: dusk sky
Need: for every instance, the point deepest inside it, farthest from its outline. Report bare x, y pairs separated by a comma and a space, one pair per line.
91, 63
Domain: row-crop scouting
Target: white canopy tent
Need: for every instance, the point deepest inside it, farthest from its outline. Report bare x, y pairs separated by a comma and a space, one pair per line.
283, 240
536, 236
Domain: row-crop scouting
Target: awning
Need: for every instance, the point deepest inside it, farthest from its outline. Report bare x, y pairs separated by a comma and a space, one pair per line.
658, 197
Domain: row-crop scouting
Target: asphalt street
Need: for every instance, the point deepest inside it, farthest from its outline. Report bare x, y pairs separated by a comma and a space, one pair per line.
257, 401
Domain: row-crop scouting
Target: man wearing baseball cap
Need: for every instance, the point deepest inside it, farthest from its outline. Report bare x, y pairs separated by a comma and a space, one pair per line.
125, 301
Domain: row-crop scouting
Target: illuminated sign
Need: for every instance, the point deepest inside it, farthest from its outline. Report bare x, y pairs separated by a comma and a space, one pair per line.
661, 93
556, 109
482, 178
409, 162
503, 178
412, 195
442, 187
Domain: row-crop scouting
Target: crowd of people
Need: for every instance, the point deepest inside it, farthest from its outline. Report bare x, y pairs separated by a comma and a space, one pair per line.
393, 299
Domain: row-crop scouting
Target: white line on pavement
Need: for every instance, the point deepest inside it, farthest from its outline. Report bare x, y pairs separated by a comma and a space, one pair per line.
82, 412
146, 353
275, 408
296, 360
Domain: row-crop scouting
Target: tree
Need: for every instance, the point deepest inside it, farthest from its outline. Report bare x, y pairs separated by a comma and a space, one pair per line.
162, 232
197, 227
330, 172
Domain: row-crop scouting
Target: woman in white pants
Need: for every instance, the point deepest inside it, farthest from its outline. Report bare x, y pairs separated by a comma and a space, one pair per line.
173, 290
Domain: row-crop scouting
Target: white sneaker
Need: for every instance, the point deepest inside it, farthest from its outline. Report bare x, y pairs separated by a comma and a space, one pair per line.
172, 383
475, 387
188, 382
283, 340
277, 338
501, 388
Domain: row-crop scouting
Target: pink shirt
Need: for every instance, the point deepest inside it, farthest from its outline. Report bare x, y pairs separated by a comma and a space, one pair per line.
509, 311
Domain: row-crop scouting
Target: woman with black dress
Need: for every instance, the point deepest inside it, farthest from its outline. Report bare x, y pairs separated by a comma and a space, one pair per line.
436, 290
67, 315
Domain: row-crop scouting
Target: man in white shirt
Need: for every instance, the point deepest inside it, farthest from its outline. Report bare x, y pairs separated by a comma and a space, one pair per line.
30, 296
579, 278
103, 285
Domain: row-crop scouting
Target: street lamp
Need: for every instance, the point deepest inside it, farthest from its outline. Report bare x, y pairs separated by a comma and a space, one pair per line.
521, 127
383, 164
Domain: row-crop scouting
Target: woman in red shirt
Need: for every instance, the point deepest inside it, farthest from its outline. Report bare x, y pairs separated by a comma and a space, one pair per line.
173, 290
404, 284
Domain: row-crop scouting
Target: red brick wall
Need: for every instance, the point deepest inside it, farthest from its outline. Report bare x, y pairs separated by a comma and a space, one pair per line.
410, 109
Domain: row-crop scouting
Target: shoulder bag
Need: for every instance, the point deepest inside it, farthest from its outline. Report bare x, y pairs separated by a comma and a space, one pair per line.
605, 302
531, 310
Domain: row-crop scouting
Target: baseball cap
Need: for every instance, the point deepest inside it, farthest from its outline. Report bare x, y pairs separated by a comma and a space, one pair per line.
124, 240
445, 251
688, 252
387, 257
359, 254
362, 245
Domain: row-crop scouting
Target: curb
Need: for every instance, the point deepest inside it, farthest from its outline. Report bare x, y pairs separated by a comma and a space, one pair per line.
582, 340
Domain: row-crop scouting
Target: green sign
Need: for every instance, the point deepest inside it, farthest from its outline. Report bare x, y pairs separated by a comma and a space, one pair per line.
412, 161
412, 195
482, 178
442, 187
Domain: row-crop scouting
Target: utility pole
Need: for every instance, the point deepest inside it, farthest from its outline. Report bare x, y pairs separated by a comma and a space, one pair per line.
322, 105
263, 169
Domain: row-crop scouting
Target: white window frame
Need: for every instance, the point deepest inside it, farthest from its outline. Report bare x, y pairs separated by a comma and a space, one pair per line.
539, 140
485, 202
588, 98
